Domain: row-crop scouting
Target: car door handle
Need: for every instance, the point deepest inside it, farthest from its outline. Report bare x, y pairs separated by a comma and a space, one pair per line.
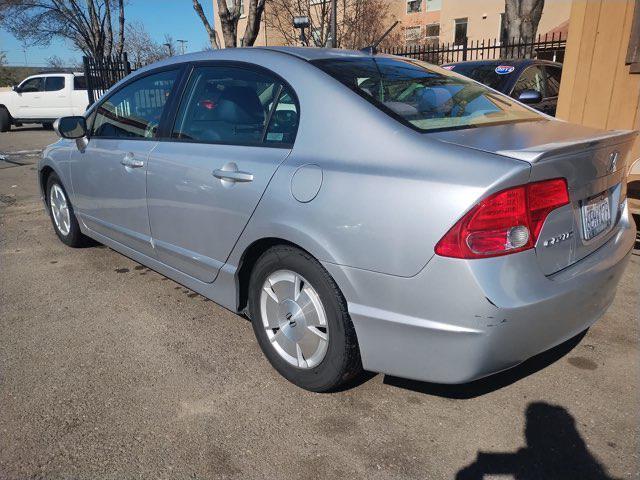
233, 175
129, 161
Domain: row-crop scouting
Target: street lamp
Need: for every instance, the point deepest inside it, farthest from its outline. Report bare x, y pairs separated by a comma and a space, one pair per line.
302, 22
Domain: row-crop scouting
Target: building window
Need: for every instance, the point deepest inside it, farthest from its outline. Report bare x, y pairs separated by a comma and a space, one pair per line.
434, 5
412, 35
432, 30
231, 6
414, 6
460, 37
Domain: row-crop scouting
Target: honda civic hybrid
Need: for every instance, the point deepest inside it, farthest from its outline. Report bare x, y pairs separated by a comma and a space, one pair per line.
366, 212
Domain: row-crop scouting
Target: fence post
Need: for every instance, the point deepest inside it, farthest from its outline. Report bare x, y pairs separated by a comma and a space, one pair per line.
464, 49
87, 77
127, 65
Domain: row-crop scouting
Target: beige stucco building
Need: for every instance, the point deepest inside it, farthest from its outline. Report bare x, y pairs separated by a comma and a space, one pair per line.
482, 20
430, 21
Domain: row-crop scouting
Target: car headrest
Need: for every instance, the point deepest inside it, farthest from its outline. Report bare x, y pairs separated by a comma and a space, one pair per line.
239, 105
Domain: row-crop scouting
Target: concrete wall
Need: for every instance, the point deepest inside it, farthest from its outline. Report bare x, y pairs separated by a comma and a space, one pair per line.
484, 17
597, 88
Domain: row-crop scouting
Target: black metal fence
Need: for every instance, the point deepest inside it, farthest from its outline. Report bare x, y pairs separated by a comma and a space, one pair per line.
100, 75
547, 47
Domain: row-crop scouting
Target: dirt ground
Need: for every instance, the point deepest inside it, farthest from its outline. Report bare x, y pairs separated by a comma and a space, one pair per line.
109, 370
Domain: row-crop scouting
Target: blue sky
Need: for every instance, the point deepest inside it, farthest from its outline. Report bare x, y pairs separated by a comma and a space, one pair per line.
175, 17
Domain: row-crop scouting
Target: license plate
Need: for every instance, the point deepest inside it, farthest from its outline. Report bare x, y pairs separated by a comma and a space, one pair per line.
596, 216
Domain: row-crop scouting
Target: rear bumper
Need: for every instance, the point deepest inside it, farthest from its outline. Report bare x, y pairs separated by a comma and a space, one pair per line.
461, 320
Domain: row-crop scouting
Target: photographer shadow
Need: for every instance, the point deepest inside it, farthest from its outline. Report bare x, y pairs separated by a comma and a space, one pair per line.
554, 450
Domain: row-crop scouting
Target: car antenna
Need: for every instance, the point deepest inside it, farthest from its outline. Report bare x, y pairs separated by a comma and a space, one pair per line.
373, 49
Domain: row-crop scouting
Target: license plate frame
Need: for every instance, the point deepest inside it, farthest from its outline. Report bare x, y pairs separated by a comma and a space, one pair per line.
596, 216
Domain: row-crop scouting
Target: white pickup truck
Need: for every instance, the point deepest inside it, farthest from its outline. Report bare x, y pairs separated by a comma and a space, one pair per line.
42, 99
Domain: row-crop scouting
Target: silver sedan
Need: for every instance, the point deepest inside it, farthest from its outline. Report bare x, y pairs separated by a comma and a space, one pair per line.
365, 211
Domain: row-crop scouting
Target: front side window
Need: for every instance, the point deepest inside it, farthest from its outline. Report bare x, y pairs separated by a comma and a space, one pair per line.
32, 85
531, 79
53, 84
235, 106
135, 110
425, 97
554, 75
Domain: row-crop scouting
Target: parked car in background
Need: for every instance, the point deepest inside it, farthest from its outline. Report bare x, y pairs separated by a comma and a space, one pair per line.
534, 82
633, 188
42, 99
365, 211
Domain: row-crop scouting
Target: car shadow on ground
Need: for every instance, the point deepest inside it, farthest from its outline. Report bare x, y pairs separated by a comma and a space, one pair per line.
554, 450
30, 128
493, 382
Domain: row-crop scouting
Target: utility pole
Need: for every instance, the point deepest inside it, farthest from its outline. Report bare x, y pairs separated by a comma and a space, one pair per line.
334, 23
182, 42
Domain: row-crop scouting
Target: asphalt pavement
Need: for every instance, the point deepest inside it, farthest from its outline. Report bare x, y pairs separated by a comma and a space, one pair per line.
109, 370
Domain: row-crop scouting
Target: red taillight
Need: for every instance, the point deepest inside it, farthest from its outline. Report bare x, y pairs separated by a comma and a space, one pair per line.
505, 222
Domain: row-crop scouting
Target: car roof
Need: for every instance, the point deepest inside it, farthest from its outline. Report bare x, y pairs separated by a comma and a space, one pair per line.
314, 53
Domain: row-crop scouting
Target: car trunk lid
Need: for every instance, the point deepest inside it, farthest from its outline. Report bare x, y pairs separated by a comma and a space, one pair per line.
593, 162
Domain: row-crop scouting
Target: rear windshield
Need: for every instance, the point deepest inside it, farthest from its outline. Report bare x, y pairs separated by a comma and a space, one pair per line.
486, 73
423, 96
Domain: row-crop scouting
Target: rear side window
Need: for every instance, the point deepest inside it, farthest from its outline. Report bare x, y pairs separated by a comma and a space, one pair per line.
79, 83
425, 97
236, 106
135, 110
532, 78
554, 75
53, 84
32, 85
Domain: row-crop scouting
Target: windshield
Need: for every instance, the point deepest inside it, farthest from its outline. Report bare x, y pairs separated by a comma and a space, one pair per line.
423, 96
486, 73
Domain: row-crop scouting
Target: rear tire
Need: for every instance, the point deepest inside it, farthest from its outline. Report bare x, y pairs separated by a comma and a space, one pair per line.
47, 126
62, 215
5, 120
302, 323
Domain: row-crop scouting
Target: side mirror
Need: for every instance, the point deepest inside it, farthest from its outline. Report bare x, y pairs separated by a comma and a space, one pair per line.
16, 89
70, 127
530, 96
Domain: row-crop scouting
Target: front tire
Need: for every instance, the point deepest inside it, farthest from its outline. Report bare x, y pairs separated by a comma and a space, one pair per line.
47, 126
301, 321
62, 215
5, 120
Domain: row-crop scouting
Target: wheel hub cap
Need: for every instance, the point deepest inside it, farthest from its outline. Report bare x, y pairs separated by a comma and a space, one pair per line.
59, 209
294, 319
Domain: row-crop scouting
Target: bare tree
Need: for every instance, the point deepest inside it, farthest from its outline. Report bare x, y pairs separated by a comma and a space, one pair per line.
213, 36
170, 44
521, 19
87, 24
56, 63
360, 22
229, 12
140, 47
